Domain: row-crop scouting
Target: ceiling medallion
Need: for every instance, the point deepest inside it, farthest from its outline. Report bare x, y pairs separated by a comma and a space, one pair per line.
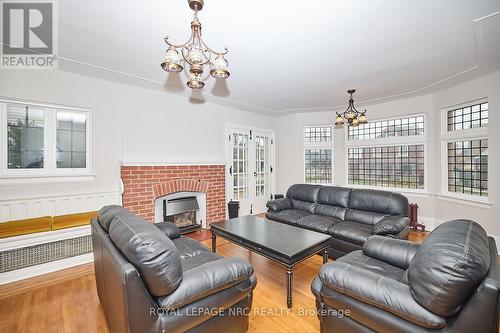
196, 53
351, 115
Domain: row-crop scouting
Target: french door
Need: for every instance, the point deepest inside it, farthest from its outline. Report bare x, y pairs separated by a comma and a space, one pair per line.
249, 169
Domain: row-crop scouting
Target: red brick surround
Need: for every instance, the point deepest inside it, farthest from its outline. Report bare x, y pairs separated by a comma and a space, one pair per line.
143, 184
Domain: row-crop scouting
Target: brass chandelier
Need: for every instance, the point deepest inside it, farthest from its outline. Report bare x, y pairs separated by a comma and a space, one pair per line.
352, 116
195, 53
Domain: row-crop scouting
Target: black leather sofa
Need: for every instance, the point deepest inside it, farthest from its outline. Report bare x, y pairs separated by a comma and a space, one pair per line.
151, 279
449, 283
349, 215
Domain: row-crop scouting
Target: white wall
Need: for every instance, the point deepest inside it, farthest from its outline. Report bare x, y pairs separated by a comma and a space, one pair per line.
432, 209
130, 124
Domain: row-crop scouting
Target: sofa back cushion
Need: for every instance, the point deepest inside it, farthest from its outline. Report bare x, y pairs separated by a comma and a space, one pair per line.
107, 213
303, 192
304, 205
363, 216
334, 196
152, 253
449, 266
383, 202
332, 211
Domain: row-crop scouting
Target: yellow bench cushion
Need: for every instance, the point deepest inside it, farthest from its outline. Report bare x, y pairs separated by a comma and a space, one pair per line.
26, 226
72, 220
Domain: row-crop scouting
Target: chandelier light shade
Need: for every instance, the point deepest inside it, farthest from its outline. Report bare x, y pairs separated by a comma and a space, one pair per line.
351, 115
196, 54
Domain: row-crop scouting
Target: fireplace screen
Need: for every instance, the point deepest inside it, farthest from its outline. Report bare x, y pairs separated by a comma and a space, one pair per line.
182, 212
182, 220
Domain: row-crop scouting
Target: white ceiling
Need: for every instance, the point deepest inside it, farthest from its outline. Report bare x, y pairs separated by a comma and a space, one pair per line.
289, 56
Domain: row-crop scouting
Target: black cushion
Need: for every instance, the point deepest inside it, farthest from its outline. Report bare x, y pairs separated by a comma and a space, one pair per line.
304, 205
391, 225
188, 247
363, 216
353, 232
334, 196
333, 211
106, 214
389, 203
303, 192
290, 216
207, 279
152, 253
317, 223
449, 266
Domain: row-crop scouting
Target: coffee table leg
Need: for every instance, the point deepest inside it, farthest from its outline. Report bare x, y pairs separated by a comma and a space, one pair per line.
289, 278
214, 242
325, 256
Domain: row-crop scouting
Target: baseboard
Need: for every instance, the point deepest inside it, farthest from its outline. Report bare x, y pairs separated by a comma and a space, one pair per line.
49, 267
431, 223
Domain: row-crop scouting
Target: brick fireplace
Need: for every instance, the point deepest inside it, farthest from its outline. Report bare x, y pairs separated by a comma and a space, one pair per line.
143, 184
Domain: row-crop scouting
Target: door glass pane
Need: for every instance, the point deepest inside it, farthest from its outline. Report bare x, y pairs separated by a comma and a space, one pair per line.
25, 137
71, 140
262, 170
240, 166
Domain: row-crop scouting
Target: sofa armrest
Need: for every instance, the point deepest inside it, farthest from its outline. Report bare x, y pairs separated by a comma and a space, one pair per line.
376, 290
169, 229
207, 279
391, 225
279, 204
396, 252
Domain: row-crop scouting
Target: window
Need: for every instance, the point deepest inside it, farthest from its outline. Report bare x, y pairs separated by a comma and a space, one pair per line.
394, 156
409, 126
240, 166
318, 154
25, 128
390, 166
71, 140
465, 149
43, 140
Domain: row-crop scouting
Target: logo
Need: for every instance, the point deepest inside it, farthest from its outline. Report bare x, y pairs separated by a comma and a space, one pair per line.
28, 35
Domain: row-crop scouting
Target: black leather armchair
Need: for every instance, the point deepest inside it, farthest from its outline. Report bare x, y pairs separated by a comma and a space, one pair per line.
350, 216
151, 279
449, 283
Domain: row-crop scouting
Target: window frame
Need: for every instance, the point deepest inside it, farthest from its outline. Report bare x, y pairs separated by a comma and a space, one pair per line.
317, 145
50, 142
388, 142
478, 133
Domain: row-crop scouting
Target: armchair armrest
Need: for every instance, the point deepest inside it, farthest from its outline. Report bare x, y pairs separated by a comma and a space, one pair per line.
396, 252
376, 290
391, 225
169, 229
207, 279
279, 204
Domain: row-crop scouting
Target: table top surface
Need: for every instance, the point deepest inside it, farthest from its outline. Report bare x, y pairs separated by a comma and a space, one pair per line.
279, 237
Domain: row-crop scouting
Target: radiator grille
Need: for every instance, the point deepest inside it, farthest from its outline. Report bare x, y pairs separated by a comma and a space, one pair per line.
39, 254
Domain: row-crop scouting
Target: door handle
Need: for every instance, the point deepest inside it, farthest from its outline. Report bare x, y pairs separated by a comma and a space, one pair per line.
231, 170
255, 174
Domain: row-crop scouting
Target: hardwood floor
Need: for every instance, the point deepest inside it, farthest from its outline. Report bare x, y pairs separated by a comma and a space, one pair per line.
66, 301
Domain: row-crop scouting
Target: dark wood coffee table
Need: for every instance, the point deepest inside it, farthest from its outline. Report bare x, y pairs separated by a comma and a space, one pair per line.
283, 243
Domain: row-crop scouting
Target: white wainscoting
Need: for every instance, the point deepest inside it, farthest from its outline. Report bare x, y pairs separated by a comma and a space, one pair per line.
56, 205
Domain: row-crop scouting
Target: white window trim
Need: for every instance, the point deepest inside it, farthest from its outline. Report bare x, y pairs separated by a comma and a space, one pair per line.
387, 142
459, 135
49, 172
316, 145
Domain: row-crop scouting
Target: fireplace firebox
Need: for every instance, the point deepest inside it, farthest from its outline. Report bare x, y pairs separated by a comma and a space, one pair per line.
183, 213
